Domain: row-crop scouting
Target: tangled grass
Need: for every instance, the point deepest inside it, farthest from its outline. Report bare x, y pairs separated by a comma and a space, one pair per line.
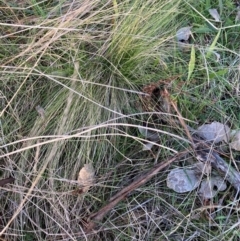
83, 64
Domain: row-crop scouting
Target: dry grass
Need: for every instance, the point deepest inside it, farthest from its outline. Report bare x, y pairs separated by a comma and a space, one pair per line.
85, 63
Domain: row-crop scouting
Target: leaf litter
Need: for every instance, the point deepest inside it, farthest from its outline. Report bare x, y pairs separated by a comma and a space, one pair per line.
215, 132
214, 13
86, 177
211, 186
218, 132
235, 140
183, 180
183, 34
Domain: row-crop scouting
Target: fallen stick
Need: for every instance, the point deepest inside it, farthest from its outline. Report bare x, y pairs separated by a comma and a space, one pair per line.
5, 181
98, 216
203, 153
206, 154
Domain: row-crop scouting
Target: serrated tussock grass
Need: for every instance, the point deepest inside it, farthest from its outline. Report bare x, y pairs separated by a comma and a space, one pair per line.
85, 63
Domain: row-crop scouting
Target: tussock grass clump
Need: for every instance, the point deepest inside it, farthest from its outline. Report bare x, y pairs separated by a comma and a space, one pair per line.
71, 76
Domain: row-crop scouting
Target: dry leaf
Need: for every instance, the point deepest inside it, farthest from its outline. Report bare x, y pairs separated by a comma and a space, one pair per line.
214, 13
215, 131
183, 180
210, 187
149, 134
202, 168
183, 34
86, 177
235, 140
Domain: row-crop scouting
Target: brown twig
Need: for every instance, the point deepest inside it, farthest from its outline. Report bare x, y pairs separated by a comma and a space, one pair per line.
206, 154
203, 153
180, 118
98, 216
5, 181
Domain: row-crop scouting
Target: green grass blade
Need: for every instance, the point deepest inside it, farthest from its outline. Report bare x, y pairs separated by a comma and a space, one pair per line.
115, 6
192, 61
212, 46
